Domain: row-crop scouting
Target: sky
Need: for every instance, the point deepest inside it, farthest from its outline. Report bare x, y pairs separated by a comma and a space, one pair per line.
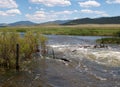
49, 10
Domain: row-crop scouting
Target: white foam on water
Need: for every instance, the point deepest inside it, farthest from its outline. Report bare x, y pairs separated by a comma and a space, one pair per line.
107, 57
58, 46
99, 55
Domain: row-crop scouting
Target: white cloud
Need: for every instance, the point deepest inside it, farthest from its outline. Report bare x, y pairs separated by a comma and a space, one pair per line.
8, 4
51, 3
90, 3
88, 11
66, 12
39, 16
42, 16
3, 13
11, 12
10, 8
113, 1
42, 9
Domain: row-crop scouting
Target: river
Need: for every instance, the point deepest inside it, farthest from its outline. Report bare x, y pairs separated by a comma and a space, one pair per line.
92, 67
72, 61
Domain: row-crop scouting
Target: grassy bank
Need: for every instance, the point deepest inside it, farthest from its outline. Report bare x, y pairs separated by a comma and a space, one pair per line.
115, 40
85, 30
30, 44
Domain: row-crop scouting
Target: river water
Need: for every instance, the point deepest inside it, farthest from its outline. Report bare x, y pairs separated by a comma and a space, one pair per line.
92, 67
72, 61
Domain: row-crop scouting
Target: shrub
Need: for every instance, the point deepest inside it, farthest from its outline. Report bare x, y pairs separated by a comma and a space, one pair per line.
114, 40
29, 44
118, 34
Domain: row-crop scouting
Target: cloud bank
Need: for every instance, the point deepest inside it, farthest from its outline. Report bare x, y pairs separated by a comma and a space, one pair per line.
90, 3
8, 4
11, 12
42, 15
51, 3
88, 11
11, 6
113, 1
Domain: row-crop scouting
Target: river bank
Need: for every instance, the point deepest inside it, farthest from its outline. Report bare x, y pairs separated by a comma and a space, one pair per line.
48, 72
80, 30
87, 67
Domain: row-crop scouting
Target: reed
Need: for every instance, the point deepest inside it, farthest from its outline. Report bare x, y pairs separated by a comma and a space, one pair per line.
114, 40
84, 30
29, 44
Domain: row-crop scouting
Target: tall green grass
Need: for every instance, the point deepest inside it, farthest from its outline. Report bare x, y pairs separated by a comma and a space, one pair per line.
114, 40
29, 44
85, 30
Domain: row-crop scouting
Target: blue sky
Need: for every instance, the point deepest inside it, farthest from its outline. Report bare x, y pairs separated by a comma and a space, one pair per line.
48, 10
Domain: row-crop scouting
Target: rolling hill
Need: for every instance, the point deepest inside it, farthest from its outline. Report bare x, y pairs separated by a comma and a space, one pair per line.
102, 20
58, 22
3, 24
22, 23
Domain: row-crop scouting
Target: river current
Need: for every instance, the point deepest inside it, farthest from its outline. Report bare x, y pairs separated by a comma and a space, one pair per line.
100, 67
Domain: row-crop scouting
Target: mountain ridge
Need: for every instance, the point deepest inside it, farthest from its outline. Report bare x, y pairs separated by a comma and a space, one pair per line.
22, 23
100, 20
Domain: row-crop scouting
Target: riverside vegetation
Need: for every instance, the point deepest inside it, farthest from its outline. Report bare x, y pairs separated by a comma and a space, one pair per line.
112, 40
29, 44
83, 30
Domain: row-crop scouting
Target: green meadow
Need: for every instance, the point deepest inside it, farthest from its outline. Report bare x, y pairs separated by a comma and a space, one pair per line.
84, 30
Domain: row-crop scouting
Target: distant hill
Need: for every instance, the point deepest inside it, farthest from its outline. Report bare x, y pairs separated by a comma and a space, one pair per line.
3, 25
22, 23
102, 20
58, 22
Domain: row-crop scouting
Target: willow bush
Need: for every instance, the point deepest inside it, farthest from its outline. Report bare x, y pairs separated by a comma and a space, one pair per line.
118, 34
29, 44
114, 40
